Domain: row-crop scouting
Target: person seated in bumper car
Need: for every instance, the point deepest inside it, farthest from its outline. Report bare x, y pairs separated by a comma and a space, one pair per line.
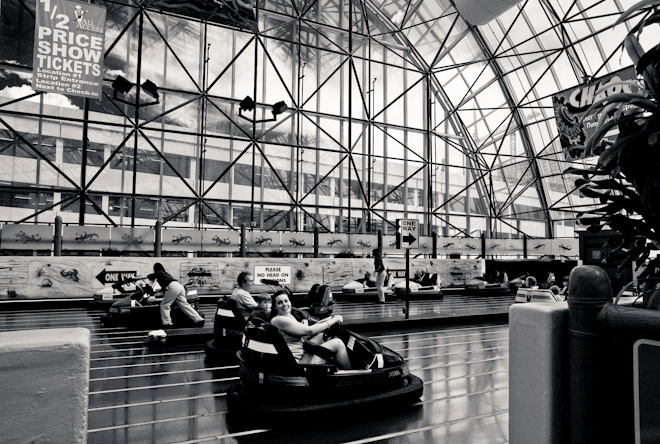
263, 309
241, 294
531, 282
294, 333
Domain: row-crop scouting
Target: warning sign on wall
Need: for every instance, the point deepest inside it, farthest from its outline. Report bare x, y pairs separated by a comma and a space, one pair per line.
281, 274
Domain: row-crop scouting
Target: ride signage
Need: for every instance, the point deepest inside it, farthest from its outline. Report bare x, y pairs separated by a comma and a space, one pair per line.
69, 42
279, 273
409, 232
113, 276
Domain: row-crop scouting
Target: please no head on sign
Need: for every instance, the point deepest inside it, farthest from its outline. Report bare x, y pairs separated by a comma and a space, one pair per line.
279, 273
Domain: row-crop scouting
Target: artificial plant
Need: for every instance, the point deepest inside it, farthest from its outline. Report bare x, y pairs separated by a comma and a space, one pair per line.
626, 178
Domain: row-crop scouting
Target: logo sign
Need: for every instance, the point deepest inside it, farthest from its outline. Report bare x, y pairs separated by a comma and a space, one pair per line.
574, 126
282, 274
69, 40
409, 229
113, 276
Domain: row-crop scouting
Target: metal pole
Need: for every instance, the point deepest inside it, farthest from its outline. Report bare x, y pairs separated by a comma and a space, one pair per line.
407, 283
316, 242
57, 250
243, 252
158, 241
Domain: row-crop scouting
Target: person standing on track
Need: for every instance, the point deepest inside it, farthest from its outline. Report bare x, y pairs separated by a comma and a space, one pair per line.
174, 291
381, 275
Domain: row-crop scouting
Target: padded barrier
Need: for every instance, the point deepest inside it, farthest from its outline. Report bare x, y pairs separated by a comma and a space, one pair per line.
46, 385
537, 363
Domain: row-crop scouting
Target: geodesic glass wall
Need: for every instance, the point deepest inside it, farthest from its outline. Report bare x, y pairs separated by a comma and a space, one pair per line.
393, 109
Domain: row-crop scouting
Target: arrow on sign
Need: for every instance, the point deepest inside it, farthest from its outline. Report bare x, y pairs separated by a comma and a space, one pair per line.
106, 277
409, 238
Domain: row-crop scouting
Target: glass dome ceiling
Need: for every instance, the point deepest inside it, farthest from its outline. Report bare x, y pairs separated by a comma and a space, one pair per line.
396, 109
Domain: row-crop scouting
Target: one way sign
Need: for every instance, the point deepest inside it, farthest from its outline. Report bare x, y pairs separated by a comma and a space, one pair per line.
409, 232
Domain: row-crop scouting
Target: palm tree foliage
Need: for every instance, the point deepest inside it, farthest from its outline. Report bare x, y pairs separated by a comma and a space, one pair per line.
626, 177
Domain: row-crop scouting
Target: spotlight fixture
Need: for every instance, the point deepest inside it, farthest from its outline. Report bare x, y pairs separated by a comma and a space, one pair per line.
123, 86
150, 88
247, 104
279, 108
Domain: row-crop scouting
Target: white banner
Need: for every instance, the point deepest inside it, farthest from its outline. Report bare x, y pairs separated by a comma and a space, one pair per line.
363, 243
333, 243
132, 239
85, 238
221, 240
27, 237
264, 241
297, 242
181, 239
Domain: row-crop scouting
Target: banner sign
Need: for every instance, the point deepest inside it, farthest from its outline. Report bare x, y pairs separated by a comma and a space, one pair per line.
27, 237
297, 242
181, 239
573, 125
452, 245
85, 238
264, 241
333, 243
363, 243
132, 239
565, 247
221, 240
505, 247
69, 40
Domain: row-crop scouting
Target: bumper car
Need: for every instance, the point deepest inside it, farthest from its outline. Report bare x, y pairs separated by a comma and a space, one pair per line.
141, 309
496, 285
229, 324
482, 288
423, 284
317, 302
367, 287
274, 386
119, 290
538, 295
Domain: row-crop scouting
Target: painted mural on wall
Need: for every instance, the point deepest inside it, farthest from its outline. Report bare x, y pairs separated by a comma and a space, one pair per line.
35, 277
200, 276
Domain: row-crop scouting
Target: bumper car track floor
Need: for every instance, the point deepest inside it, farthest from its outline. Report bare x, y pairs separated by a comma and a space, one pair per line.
169, 394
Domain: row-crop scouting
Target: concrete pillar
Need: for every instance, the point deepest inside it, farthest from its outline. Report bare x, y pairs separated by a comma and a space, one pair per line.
45, 385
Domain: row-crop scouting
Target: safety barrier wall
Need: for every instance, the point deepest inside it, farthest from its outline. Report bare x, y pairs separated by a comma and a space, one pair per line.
45, 394
67, 277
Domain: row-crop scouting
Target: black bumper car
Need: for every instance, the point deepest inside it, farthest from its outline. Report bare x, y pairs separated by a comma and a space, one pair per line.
274, 386
141, 310
229, 324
